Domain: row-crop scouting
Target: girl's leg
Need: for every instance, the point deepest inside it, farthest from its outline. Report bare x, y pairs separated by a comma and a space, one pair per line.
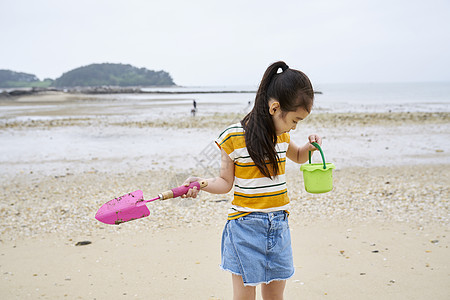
240, 291
273, 290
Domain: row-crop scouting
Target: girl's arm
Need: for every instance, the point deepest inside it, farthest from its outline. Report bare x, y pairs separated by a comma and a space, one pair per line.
216, 185
299, 154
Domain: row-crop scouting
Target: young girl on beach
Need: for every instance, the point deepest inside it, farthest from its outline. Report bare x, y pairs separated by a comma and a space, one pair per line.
256, 242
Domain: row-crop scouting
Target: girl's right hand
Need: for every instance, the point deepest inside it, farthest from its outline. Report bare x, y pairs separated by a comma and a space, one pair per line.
192, 193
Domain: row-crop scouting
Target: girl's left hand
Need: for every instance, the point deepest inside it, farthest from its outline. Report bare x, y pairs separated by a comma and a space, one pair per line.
314, 138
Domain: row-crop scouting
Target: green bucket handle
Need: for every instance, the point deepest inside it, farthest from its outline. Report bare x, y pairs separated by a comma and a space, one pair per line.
321, 153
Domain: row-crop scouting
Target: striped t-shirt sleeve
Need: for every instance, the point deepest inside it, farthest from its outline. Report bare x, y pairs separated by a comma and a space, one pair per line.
226, 137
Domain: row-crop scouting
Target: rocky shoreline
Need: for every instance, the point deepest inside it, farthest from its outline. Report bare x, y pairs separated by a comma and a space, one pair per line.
101, 90
108, 90
220, 120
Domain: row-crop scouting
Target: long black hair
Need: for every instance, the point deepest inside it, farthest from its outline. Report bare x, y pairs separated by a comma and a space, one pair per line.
292, 89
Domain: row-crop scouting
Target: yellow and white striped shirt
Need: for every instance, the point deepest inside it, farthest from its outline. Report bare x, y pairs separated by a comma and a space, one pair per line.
252, 190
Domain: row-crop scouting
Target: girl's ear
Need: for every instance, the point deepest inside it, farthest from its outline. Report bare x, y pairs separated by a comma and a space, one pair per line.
273, 107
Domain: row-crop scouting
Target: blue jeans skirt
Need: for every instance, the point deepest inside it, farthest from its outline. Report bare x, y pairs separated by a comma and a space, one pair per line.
258, 248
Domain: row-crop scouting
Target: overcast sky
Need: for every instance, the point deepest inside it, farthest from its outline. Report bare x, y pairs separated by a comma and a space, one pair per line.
230, 42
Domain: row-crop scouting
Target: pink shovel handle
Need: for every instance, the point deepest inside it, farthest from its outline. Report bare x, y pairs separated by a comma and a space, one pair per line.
181, 190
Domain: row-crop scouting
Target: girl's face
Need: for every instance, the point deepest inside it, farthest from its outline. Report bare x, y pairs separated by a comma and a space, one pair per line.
285, 121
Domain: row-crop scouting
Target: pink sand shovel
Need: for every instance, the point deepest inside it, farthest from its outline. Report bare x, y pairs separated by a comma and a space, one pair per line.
132, 206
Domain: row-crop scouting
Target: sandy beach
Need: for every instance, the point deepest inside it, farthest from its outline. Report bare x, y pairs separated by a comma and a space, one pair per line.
382, 233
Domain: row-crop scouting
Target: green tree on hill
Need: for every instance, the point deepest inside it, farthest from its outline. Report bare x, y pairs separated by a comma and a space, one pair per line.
11, 79
8, 75
113, 75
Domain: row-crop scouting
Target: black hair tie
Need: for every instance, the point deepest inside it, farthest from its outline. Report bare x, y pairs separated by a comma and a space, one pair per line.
285, 67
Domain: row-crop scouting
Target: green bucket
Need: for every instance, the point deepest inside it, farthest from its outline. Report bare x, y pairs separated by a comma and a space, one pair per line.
318, 178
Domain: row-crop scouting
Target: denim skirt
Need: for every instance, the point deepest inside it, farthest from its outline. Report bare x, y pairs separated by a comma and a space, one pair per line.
258, 248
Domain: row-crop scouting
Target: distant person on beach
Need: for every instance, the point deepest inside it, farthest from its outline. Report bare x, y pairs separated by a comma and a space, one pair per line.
256, 241
194, 109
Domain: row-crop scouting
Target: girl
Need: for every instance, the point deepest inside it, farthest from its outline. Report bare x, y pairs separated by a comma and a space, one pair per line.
256, 242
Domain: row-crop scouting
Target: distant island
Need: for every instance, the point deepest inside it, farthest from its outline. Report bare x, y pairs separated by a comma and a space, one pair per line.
113, 75
11, 79
106, 78
94, 75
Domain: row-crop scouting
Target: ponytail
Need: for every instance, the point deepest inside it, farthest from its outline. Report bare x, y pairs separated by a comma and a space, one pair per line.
292, 89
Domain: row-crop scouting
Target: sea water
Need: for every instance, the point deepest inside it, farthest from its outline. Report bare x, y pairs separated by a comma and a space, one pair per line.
356, 96
384, 97
338, 98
